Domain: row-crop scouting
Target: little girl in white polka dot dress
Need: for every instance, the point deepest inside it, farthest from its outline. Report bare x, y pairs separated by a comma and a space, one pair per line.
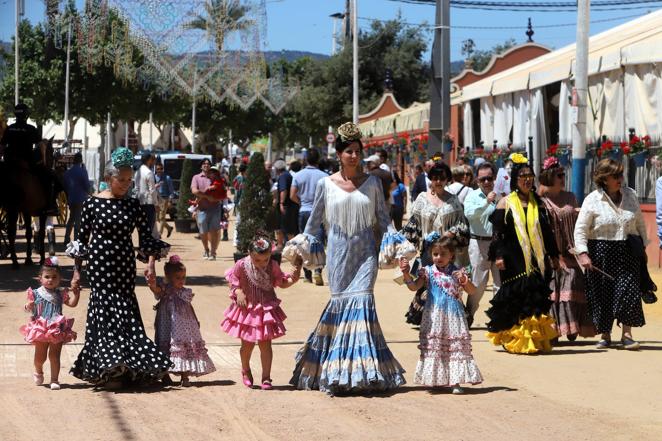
445, 341
177, 327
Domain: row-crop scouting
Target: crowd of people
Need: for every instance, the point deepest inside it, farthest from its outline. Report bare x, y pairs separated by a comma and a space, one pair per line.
557, 269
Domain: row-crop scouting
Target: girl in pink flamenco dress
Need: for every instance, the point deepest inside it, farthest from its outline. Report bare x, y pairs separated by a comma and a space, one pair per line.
255, 315
177, 327
48, 329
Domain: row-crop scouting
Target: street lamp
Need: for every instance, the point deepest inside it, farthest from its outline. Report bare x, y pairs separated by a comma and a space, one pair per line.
334, 37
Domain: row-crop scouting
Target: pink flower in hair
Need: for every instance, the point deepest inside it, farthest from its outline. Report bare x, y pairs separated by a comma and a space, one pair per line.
550, 162
174, 259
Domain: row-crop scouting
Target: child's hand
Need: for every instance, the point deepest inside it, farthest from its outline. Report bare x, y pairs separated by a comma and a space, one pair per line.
241, 298
28, 306
150, 277
461, 277
404, 265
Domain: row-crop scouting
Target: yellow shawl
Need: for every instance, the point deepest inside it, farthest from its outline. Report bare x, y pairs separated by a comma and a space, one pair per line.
528, 230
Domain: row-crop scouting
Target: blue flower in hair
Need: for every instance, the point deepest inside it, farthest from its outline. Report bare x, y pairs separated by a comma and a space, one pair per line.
432, 237
122, 157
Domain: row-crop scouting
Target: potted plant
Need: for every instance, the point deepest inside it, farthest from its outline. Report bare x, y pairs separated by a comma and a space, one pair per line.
638, 148
184, 223
256, 204
562, 153
606, 148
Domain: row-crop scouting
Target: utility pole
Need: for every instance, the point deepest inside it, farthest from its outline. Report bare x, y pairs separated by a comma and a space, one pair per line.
355, 64
66, 88
17, 42
440, 89
579, 100
195, 79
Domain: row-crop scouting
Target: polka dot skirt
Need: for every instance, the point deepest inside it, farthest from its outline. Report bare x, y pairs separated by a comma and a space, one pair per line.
115, 341
618, 299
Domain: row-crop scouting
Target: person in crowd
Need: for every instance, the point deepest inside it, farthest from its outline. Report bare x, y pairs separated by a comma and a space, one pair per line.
569, 310
399, 205
77, 188
347, 352
436, 210
218, 190
19, 139
286, 209
384, 161
48, 329
116, 349
422, 183
445, 341
523, 249
209, 211
610, 239
238, 185
146, 188
177, 329
255, 315
372, 163
302, 192
295, 167
478, 207
461, 185
166, 194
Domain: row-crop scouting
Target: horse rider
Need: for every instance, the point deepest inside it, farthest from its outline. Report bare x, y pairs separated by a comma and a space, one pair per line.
20, 138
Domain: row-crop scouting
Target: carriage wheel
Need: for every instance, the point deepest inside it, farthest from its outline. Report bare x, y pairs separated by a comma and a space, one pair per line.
63, 209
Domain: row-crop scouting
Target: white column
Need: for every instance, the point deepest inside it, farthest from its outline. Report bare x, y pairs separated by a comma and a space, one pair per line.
355, 64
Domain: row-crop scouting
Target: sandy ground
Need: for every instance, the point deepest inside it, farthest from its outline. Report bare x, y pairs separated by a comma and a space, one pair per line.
577, 392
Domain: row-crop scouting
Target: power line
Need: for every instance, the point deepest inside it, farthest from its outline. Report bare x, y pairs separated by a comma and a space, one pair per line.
560, 6
431, 26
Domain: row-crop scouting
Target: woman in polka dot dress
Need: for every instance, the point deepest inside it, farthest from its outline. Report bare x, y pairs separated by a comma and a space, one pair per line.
177, 327
116, 350
445, 346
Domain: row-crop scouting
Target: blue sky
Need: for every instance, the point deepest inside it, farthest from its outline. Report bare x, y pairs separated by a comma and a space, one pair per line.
305, 24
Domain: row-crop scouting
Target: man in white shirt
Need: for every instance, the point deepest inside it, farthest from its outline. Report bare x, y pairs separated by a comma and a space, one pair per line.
146, 189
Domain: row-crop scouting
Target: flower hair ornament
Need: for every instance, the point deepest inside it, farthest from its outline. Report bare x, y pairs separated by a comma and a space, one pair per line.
434, 236
519, 158
261, 245
52, 262
174, 259
122, 157
550, 162
349, 132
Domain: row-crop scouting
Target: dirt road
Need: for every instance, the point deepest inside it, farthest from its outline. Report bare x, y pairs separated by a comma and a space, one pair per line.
577, 392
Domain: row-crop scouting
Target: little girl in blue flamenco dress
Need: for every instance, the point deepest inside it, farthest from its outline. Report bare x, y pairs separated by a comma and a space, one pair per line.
445, 341
523, 248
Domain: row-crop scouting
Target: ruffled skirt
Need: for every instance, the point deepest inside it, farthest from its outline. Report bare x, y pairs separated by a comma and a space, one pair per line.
256, 322
347, 351
56, 330
190, 358
530, 336
570, 311
446, 357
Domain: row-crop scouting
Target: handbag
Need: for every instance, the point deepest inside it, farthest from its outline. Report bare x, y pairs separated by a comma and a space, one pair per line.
646, 284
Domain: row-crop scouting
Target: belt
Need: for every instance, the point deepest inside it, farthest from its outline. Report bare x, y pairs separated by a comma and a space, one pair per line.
474, 236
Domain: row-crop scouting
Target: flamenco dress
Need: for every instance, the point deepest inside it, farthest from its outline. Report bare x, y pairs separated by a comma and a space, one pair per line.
47, 324
347, 352
178, 333
116, 344
445, 346
519, 319
262, 318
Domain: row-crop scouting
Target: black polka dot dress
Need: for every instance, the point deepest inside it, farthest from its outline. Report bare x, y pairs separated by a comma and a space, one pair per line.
116, 345
618, 299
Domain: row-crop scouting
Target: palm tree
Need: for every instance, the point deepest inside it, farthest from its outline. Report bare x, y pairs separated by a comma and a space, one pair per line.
221, 18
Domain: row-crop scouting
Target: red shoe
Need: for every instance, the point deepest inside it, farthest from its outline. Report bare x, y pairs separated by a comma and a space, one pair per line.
266, 384
247, 378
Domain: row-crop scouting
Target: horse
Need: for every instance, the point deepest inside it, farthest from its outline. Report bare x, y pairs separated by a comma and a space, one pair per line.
29, 191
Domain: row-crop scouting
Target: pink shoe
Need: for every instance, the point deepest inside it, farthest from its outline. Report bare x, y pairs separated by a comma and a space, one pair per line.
38, 378
266, 384
247, 378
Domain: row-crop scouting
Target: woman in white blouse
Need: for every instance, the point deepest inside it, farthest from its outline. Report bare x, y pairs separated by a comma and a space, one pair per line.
608, 216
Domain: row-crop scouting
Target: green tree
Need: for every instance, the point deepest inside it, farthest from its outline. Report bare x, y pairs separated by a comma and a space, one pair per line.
221, 18
256, 204
481, 58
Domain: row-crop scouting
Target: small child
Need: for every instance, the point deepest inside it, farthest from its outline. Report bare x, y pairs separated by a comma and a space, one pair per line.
445, 342
217, 189
177, 327
48, 329
255, 315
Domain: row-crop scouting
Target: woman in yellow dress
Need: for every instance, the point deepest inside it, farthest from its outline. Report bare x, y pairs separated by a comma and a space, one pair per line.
523, 249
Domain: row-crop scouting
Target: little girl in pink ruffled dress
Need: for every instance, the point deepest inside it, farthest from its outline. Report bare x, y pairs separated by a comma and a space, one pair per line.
255, 315
48, 329
177, 327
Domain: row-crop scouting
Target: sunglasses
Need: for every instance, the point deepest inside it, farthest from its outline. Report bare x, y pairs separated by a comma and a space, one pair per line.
617, 175
525, 176
486, 179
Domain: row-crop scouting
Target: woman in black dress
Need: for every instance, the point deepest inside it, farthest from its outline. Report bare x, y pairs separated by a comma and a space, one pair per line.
523, 248
116, 350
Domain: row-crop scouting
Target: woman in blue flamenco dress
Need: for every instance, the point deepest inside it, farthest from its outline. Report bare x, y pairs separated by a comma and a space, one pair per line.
347, 352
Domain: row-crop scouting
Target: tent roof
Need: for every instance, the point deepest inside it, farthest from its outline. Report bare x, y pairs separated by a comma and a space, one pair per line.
634, 42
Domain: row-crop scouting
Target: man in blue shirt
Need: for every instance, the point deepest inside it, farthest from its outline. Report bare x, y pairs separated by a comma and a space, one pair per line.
77, 187
478, 206
166, 194
302, 192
